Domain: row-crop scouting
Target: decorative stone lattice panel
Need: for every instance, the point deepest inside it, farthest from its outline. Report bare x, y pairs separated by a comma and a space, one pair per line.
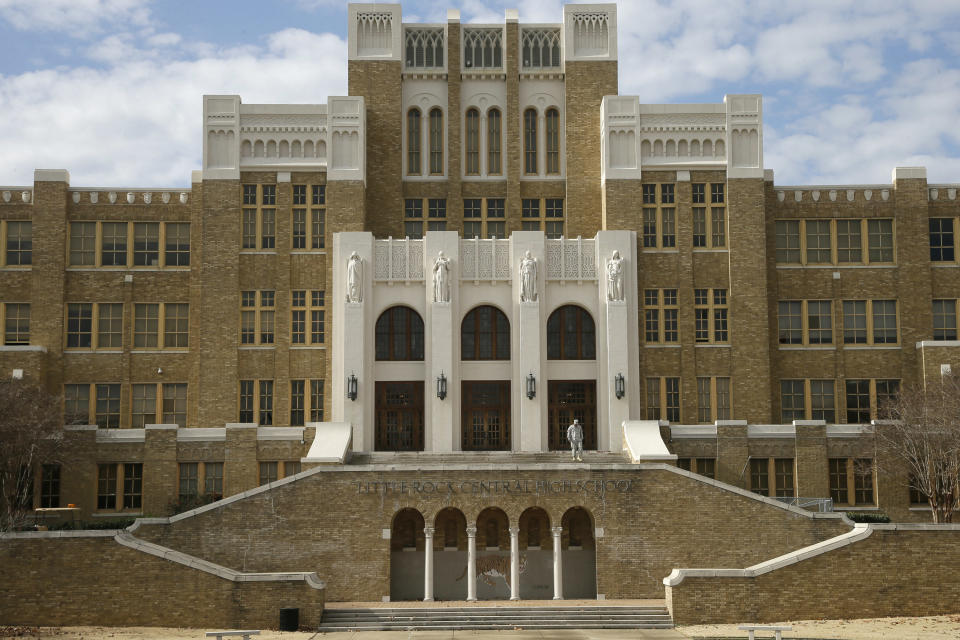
483, 259
483, 48
571, 259
591, 33
423, 47
398, 260
374, 33
541, 49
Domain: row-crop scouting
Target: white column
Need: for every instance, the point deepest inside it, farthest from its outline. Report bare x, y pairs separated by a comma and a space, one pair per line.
557, 564
428, 564
514, 563
471, 564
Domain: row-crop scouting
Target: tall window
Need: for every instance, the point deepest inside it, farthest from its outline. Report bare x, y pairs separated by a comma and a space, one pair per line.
473, 142
309, 225
543, 215
711, 315
851, 481
399, 335
436, 141
713, 399
413, 142
805, 322
530, 141
553, 141
942, 240
307, 317
660, 316
709, 224
485, 335
259, 217
663, 399
16, 323
17, 242
944, 319
571, 334
306, 401
782, 471
659, 223
257, 317
493, 142
479, 213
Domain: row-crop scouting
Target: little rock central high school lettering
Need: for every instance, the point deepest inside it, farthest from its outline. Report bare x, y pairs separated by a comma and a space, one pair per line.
496, 487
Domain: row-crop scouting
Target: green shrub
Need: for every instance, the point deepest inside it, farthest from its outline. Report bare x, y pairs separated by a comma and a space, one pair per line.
874, 517
186, 503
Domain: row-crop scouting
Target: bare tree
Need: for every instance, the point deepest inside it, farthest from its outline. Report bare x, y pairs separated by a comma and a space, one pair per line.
31, 434
921, 433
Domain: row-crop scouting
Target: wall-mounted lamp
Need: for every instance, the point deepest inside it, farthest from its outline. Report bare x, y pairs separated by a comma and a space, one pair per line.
618, 386
352, 387
159, 371
441, 386
531, 386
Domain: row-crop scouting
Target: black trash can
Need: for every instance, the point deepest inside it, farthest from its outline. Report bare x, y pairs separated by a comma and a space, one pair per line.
289, 619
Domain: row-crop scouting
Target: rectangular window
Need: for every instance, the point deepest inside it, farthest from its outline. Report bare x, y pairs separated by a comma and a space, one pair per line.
849, 241
268, 472
863, 481
718, 227
318, 228
316, 401
413, 214
663, 399
176, 325
265, 402
146, 325
143, 405
854, 322
822, 402
792, 404
661, 316
724, 404
301, 309
107, 486
146, 244
668, 227
838, 481
19, 243
299, 229
710, 308
706, 467
213, 479
885, 322
788, 241
783, 472
659, 224
819, 322
76, 403
83, 244
944, 319
246, 401
50, 486
760, 476
699, 226
16, 323
259, 217
672, 404
704, 411
108, 406
493, 142
880, 240
818, 241
257, 316
790, 321
132, 485
437, 214
650, 228
297, 401
653, 398
174, 403
177, 244
713, 399
109, 326
291, 468
698, 193
942, 240
858, 401
113, 244
189, 481
886, 395
83, 316
79, 325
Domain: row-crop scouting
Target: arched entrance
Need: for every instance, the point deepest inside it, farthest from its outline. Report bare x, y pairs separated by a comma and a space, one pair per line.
406, 555
493, 555
536, 555
450, 555
579, 552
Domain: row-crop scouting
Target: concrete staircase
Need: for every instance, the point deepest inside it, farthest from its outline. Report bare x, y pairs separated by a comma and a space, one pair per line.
496, 618
420, 458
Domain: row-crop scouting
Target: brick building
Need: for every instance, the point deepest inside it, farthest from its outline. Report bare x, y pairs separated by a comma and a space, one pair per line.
212, 339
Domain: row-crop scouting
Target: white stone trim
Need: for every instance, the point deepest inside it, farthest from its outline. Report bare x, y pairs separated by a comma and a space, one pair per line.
687, 431
858, 533
107, 436
771, 431
202, 434
280, 433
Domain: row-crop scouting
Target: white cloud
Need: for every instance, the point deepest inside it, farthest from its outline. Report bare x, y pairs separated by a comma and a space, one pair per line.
137, 122
74, 17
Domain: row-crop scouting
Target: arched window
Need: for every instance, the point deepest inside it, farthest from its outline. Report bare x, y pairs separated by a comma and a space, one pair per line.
473, 142
530, 141
399, 335
413, 142
553, 141
485, 335
493, 142
436, 141
571, 335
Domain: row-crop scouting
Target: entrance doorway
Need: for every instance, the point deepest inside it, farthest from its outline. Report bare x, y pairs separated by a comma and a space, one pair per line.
569, 400
485, 421
399, 423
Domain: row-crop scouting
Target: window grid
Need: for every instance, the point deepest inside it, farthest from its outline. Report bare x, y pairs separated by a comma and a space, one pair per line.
711, 316
661, 311
306, 401
866, 398
805, 322
16, 238
706, 467
807, 399
543, 215
852, 478
436, 142
835, 242
257, 317
161, 325
307, 317
255, 402
663, 399
944, 319
138, 245
713, 399
259, 217
15, 320
484, 218
94, 325
943, 239
530, 142
308, 224
709, 223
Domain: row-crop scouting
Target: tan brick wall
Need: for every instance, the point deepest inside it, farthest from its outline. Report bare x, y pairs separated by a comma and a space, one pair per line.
890, 573
647, 530
96, 581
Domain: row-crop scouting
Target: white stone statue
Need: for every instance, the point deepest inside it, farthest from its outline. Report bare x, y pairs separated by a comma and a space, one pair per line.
354, 278
615, 278
441, 279
575, 437
528, 278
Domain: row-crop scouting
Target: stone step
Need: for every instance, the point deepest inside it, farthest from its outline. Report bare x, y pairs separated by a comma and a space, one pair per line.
483, 457
495, 618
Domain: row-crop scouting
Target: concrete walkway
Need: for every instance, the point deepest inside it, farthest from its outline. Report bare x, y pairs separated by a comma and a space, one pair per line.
548, 634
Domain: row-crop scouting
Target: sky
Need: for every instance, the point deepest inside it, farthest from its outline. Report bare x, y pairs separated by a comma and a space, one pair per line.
111, 89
